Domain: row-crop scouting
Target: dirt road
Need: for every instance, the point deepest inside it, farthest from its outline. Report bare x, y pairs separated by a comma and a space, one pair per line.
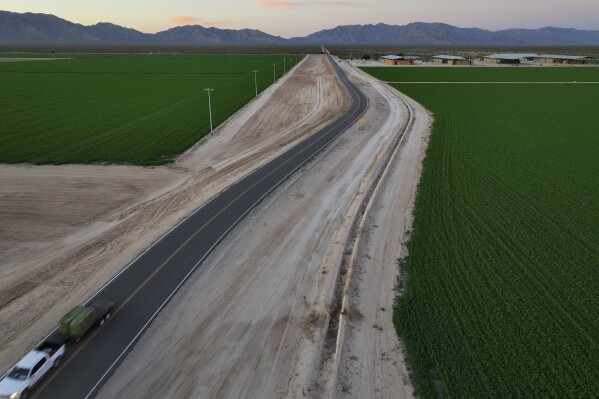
261, 318
254, 320
66, 230
369, 359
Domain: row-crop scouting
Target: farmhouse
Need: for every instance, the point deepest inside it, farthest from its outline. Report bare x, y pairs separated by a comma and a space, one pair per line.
562, 59
513, 59
451, 60
397, 60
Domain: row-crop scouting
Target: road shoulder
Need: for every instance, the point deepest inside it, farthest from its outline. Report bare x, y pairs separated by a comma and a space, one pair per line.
370, 360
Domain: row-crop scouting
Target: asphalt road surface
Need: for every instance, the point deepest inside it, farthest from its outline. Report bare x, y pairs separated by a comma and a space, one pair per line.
143, 288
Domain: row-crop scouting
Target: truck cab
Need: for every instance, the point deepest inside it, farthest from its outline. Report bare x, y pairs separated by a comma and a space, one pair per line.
29, 370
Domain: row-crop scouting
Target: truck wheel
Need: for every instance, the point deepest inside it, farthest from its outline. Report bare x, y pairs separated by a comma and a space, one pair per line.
56, 362
107, 316
101, 322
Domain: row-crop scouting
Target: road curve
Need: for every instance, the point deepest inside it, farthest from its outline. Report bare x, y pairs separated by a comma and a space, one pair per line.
146, 285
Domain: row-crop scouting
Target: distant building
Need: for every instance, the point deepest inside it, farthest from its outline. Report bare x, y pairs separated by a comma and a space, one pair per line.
397, 60
510, 59
561, 59
451, 60
391, 59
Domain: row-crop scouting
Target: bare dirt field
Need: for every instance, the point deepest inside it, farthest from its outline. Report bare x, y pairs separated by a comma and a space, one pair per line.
66, 230
262, 316
370, 362
258, 318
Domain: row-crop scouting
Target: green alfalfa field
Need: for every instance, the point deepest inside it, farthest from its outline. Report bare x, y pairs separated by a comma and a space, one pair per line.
141, 109
486, 74
503, 267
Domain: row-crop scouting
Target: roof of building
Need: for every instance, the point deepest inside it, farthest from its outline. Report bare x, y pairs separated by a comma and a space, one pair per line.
562, 57
511, 56
448, 57
392, 57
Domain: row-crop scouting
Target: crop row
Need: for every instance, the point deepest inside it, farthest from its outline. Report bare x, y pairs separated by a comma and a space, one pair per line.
489, 74
157, 64
501, 297
78, 116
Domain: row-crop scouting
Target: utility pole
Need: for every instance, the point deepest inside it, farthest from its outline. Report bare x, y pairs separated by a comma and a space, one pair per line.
209, 106
256, 81
274, 73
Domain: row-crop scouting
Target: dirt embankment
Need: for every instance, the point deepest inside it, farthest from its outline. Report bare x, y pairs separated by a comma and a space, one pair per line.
260, 317
369, 360
68, 229
255, 319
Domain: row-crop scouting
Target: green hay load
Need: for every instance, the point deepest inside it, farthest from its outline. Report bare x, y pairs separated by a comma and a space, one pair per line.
77, 321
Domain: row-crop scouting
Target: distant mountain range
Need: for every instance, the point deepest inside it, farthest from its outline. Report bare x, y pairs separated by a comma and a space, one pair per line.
439, 33
29, 28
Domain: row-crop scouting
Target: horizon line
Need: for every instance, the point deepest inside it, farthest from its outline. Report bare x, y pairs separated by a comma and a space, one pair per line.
211, 25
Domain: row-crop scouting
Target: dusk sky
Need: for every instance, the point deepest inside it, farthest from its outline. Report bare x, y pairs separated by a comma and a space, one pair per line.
300, 17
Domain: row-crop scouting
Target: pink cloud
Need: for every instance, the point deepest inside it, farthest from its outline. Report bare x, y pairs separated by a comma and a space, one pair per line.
219, 24
183, 19
288, 5
187, 20
334, 3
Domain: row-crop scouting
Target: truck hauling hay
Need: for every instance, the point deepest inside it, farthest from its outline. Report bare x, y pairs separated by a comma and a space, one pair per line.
80, 319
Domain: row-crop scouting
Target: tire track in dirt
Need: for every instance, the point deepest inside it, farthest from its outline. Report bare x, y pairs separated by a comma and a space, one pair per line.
369, 359
253, 321
48, 273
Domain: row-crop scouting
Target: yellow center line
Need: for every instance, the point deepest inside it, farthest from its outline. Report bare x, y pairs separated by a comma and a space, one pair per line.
88, 340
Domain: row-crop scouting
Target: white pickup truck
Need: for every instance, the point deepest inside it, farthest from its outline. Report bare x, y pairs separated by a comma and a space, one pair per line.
31, 369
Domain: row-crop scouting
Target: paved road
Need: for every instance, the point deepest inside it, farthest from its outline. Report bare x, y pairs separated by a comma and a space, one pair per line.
143, 288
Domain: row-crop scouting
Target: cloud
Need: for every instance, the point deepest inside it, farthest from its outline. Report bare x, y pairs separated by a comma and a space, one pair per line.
187, 20
219, 24
288, 5
334, 3
184, 19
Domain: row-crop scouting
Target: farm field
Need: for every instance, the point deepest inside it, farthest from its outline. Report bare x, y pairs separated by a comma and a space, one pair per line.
132, 109
486, 74
501, 297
